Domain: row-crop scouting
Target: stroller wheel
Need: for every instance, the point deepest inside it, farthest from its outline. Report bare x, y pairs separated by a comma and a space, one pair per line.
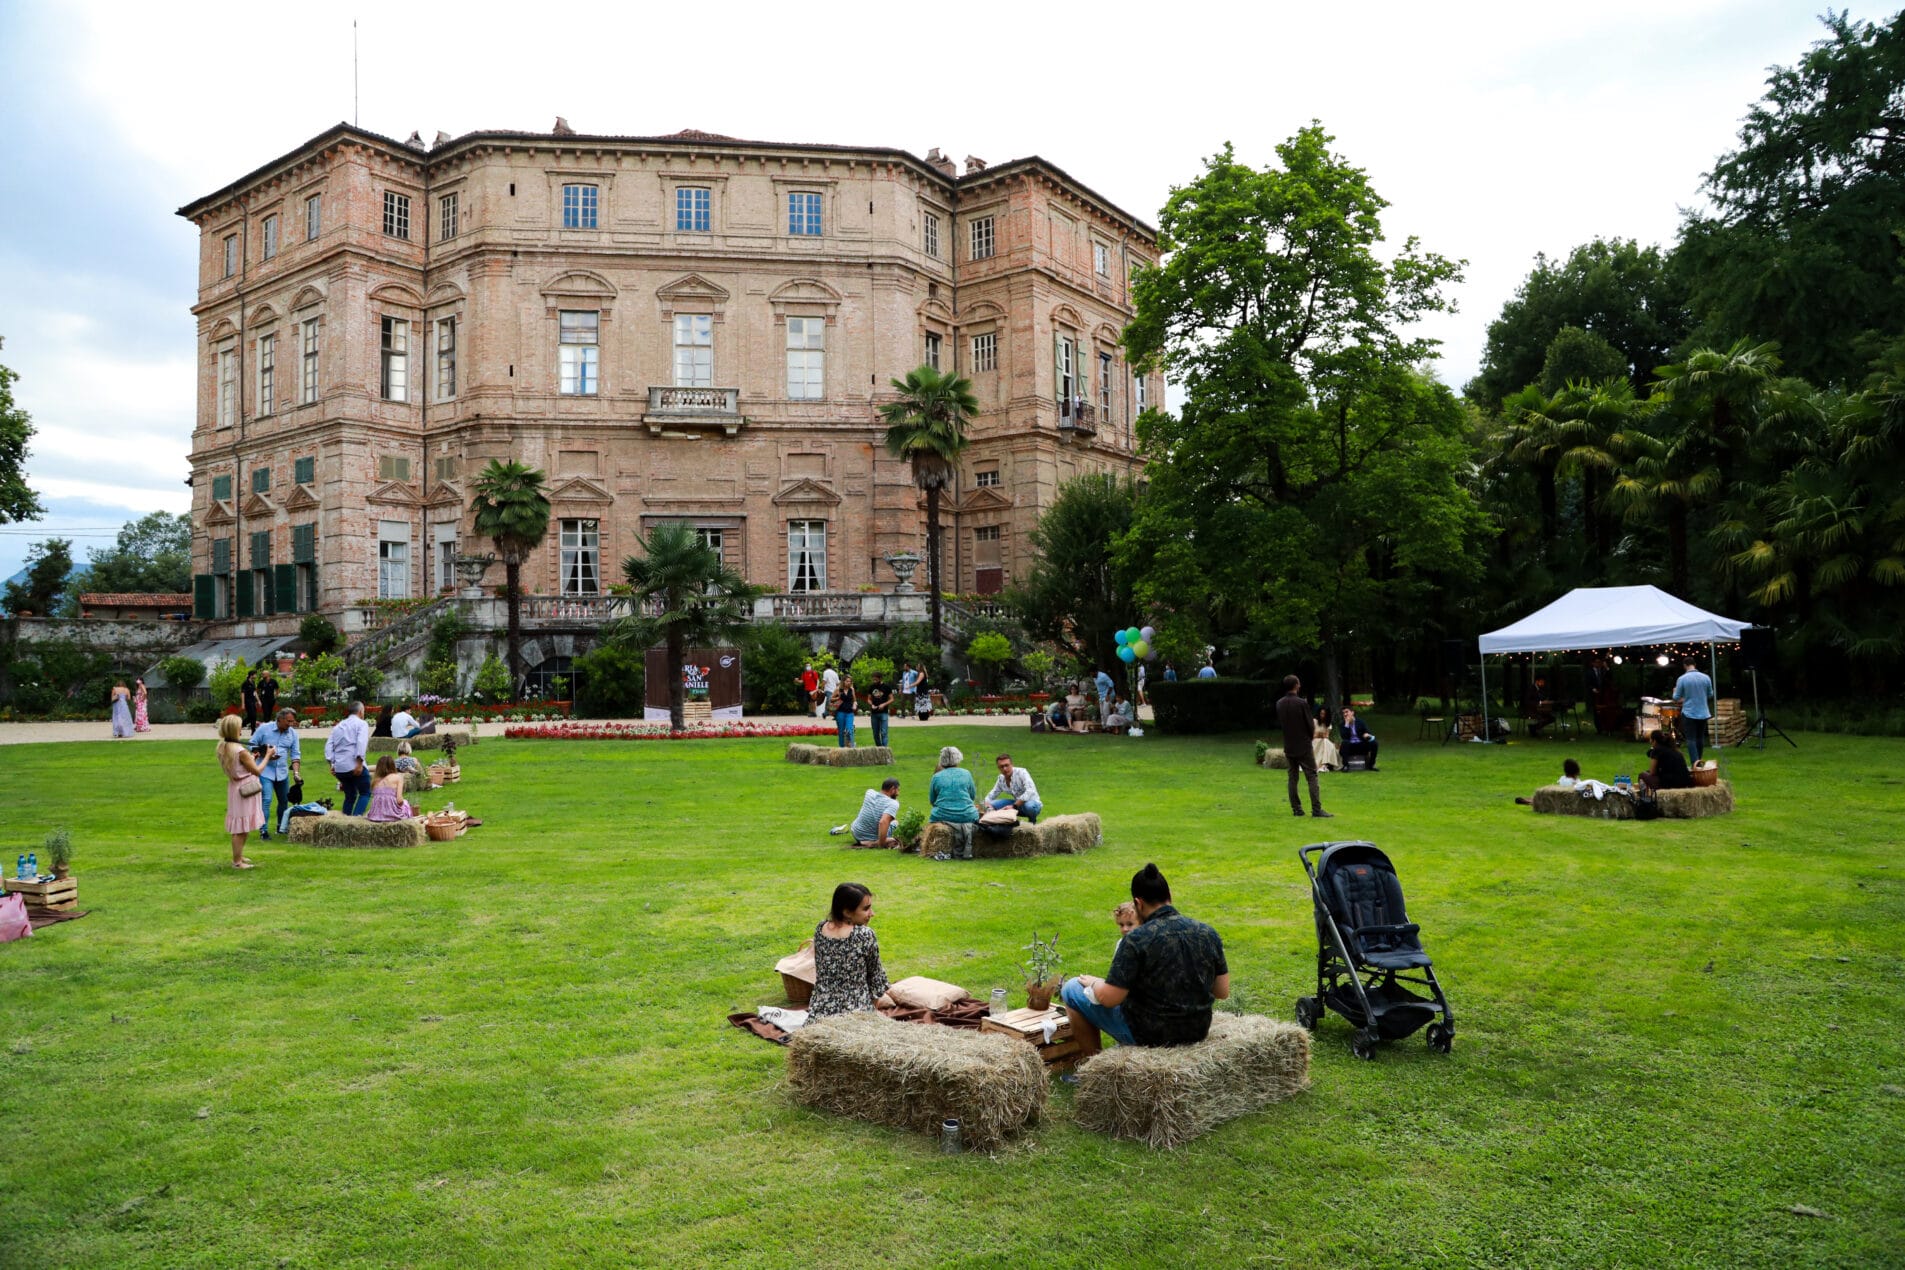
1363, 1044
1441, 1037
1307, 1013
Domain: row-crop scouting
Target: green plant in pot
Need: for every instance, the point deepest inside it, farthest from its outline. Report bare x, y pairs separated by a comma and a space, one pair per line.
1041, 971
58, 850
911, 826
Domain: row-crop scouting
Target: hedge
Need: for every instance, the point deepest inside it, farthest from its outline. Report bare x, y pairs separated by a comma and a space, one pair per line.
1213, 705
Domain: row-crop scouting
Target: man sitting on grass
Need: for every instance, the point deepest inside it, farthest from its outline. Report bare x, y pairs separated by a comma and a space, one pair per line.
1162, 981
1014, 788
873, 827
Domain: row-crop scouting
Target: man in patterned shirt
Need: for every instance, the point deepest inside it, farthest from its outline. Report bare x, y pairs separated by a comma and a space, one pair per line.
1162, 981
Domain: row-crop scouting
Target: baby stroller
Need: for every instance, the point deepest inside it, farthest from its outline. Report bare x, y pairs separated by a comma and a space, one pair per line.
1365, 948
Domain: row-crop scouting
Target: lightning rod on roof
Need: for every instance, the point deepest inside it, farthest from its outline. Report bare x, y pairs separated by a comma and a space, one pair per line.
354, 122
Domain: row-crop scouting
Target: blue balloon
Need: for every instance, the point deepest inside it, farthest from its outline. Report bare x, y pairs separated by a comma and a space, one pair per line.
1121, 637
1125, 654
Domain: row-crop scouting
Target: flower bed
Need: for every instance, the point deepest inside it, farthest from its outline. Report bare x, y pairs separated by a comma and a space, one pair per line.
660, 731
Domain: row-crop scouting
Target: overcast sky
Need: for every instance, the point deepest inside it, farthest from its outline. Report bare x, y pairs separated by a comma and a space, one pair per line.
1494, 130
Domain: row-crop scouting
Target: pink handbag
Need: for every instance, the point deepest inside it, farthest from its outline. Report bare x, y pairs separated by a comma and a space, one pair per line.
13, 919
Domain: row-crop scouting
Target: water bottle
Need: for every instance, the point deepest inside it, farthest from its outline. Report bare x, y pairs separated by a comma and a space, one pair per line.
19, 868
949, 1143
32, 866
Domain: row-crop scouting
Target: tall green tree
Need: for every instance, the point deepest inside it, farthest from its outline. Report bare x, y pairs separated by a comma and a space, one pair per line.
926, 424
700, 602
1079, 591
512, 510
1308, 488
153, 553
17, 502
49, 563
1805, 241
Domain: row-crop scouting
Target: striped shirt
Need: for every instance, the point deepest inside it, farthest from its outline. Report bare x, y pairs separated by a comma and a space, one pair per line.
866, 825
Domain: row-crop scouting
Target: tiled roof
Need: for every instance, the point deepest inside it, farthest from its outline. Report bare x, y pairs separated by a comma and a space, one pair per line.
137, 599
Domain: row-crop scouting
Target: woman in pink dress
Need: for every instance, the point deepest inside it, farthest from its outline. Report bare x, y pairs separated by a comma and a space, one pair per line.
386, 795
243, 812
139, 721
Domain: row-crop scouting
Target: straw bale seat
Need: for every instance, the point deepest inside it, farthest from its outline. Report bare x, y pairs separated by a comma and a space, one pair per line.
1164, 1097
913, 1076
334, 830
1675, 804
834, 756
1054, 835
428, 741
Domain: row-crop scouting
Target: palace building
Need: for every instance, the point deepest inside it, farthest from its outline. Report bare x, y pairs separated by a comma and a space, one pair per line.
680, 328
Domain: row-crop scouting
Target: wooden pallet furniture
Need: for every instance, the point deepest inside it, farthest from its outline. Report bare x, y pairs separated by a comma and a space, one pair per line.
1060, 1054
54, 895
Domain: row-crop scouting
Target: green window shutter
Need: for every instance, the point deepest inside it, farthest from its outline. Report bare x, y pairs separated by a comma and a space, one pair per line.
304, 471
311, 588
261, 550
1058, 367
244, 606
261, 480
284, 579
304, 544
221, 555
222, 488
204, 596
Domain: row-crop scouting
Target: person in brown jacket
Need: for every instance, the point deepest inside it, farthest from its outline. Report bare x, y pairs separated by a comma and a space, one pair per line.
1293, 715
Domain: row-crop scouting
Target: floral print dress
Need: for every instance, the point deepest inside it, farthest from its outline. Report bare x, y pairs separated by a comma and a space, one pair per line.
847, 972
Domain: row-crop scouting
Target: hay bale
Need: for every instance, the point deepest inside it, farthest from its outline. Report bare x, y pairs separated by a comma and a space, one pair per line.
834, 756
430, 741
1275, 758
912, 1076
334, 830
1165, 1097
1055, 835
1695, 804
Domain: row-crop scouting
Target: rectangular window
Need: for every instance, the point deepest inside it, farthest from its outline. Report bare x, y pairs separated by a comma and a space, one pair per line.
578, 333
222, 573
231, 254
1101, 260
1104, 385
261, 480
1067, 381
267, 371
221, 491
982, 238
446, 358
446, 217
304, 470
313, 216
395, 383
222, 553
393, 467
803, 214
271, 236
578, 206
227, 387
806, 555
446, 468
304, 557
989, 476
396, 214
985, 351
709, 538
393, 570
930, 236
446, 557
581, 557
308, 385
1138, 392
988, 573
694, 350
932, 350
694, 207
806, 358
260, 575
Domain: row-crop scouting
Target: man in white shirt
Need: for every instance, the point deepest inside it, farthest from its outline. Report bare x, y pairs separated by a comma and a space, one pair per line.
873, 827
1014, 788
403, 724
344, 751
829, 684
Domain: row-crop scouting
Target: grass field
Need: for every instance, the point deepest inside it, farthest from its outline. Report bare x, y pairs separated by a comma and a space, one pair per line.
510, 1050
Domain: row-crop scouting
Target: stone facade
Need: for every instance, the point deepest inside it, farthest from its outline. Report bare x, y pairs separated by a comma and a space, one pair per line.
637, 318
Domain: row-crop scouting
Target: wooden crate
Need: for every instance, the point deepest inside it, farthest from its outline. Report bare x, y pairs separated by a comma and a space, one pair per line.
1028, 1025
56, 895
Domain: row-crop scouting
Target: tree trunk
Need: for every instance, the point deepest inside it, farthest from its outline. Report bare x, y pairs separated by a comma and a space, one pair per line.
932, 565
1332, 681
512, 576
677, 691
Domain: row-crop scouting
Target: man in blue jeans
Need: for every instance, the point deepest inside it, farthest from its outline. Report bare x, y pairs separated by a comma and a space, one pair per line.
1014, 788
879, 705
344, 751
1694, 691
1162, 980
276, 776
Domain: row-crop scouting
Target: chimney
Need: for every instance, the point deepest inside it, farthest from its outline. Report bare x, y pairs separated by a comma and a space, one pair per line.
974, 165
414, 140
562, 128
442, 137
940, 163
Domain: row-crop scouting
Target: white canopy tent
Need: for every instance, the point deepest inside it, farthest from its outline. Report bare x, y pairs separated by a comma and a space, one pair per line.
1609, 617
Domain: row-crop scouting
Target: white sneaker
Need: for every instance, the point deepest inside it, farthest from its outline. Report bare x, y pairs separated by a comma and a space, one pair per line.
837, 830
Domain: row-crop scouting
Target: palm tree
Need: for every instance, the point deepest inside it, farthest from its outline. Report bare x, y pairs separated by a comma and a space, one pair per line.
702, 601
927, 424
513, 512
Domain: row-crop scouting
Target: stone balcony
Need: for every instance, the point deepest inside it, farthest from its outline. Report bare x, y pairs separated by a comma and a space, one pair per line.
676, 409
1077, 420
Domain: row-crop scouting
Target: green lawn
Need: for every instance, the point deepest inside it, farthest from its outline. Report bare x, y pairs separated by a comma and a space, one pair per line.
511, 1050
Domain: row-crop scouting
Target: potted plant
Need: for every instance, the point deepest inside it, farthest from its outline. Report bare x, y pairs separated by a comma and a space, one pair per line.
1041, 970
59, 851
910, 828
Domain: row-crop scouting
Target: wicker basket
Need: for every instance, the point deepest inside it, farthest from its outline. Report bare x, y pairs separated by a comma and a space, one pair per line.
441, 830
799, 991
1706, 775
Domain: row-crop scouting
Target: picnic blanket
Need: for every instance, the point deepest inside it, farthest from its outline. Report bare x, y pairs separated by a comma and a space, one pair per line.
965, 1014
38, 918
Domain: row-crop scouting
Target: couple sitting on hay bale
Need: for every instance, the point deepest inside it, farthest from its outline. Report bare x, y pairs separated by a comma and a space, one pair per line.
956, 802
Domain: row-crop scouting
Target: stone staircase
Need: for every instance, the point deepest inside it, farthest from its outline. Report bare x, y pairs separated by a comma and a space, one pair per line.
398, 639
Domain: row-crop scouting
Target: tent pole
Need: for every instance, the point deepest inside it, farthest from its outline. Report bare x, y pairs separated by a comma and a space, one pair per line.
1484, 657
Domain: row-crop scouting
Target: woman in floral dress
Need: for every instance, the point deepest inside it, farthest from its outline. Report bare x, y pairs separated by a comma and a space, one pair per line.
140, 723
847, 971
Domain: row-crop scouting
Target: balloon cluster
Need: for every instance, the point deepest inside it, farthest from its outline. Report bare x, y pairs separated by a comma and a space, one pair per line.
1134, 643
